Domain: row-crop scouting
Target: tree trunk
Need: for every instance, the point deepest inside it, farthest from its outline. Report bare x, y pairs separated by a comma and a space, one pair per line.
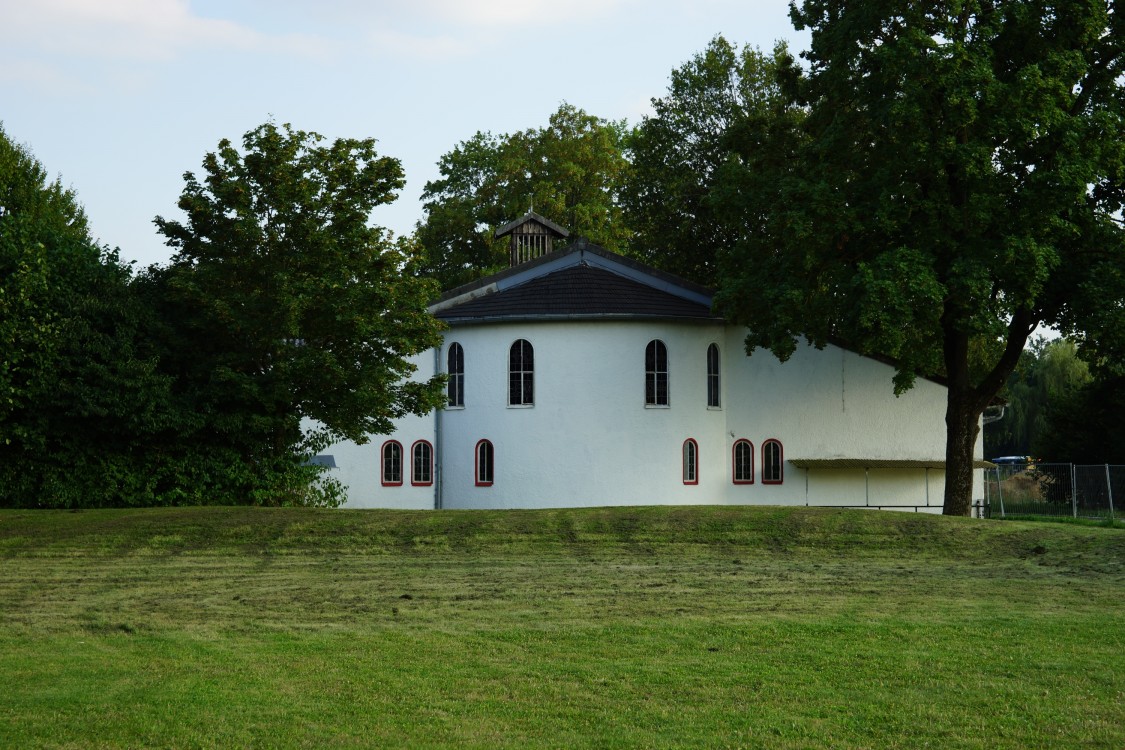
965, 403
962, 423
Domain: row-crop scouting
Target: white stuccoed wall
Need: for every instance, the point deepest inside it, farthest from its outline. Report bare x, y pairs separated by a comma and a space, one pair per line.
590, 440
358, 466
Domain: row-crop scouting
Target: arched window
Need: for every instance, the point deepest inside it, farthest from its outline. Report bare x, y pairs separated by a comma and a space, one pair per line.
422, 464
455, 388
392, 464
521, 374
484, 464
772, 462
656, 373
713, 377
743, 462
691, 462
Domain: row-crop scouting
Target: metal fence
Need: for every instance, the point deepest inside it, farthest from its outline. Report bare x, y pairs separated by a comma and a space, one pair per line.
1050, 489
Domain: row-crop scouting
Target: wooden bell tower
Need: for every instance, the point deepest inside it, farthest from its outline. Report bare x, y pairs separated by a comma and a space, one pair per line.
531, 236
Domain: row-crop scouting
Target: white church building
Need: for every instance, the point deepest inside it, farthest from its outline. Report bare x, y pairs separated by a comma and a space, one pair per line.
578, 377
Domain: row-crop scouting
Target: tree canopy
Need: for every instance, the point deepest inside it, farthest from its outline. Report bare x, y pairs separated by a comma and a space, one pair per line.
286, 304
570, 171
80, 397
715, 101
1043, 384
957, 178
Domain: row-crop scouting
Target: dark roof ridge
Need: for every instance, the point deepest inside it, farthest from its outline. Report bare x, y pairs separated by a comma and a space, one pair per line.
580, 244
577, 289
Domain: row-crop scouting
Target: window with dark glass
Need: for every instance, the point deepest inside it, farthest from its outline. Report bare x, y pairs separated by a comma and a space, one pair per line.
422, 463
713, 376
455, 388
691, 461
743, 457
772, 462
392, 463
656, 373
521, 374
484, 463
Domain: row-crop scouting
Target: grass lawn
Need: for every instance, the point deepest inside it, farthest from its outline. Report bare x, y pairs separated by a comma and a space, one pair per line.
598, 628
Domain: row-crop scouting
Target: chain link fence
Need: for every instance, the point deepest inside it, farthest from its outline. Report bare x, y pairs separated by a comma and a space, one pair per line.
1052, 489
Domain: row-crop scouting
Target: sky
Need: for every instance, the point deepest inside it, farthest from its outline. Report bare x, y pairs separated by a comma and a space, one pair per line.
118, 98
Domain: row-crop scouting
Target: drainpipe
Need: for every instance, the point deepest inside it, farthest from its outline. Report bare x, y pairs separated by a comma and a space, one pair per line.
439, 454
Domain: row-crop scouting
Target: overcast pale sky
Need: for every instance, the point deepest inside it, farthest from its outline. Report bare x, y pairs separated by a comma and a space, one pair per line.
121, 97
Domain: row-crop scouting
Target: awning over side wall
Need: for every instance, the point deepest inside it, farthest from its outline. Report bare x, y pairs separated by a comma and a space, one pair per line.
866, 464
877, 463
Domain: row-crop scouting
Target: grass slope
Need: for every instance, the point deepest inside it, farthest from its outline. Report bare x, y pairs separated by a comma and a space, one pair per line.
626, 627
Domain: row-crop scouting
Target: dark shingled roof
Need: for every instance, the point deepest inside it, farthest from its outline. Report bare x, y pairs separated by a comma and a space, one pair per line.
579, 290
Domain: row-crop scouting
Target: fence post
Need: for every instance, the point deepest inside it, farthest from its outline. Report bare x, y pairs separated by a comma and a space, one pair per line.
1109, 489
999, 492
1073, 491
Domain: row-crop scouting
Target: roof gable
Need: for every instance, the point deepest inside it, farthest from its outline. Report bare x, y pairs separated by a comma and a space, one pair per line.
532, 218
583, 280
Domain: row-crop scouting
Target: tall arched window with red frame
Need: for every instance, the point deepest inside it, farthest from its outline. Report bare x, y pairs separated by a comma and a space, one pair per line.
773, 462
484, 464
742, 462
422, 464
691, 461
391, 474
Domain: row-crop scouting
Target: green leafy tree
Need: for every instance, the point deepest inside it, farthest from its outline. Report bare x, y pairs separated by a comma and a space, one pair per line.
80, 397
958, 177
715, 104
1087, 425
39, 222
570, 171
1045, 381
284, 303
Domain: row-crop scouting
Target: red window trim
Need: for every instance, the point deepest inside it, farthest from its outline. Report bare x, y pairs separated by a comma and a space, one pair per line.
696, 457
383, 464
780, 462
431, 472
734, 462
476, 463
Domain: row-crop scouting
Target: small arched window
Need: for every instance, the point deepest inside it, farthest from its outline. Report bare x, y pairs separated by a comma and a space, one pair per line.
656, 373
484, 464
521, 374
713, 382
691, 462
743, 462
391, 475
455, 388
773, 462
422, 464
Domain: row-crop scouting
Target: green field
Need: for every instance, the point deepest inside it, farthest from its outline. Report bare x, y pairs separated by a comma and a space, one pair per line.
630, 627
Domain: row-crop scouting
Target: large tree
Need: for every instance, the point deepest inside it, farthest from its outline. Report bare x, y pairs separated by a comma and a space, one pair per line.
41, 225
1044, 383
81, 400
714, 101
570, 171
958, 179
286, 303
